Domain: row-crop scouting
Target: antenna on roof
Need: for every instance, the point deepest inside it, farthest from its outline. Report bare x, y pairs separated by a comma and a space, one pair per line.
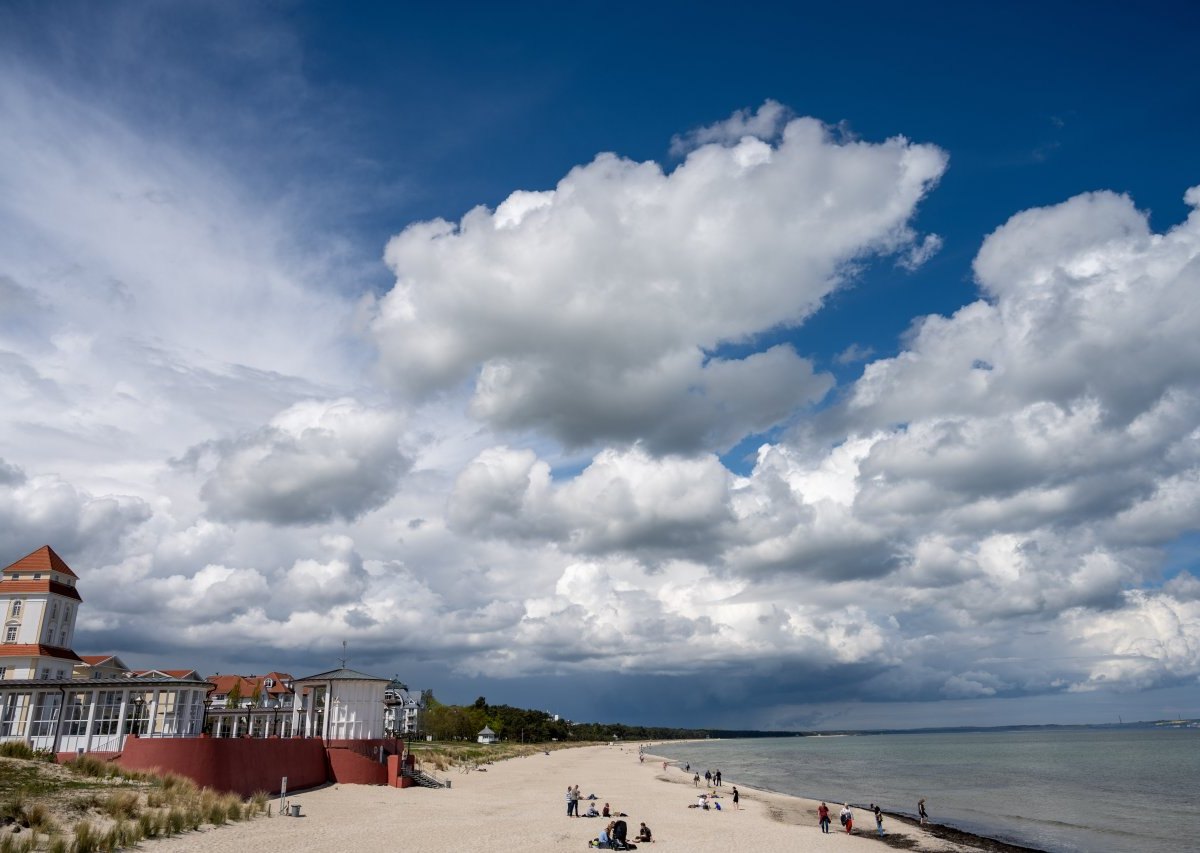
343, 654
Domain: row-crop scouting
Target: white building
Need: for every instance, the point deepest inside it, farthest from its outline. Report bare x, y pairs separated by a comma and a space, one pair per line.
339, 705
403, 713
486, 735
53, 699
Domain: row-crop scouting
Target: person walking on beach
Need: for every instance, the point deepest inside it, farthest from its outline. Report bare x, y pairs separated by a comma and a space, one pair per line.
847, 818
735, 798
708, 778
696, 780
717, 778
878, 819
921, 813
823, 818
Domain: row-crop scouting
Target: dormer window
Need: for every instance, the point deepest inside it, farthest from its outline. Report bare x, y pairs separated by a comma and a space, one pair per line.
268, 682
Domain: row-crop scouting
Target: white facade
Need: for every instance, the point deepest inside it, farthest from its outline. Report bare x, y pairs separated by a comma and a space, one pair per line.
340, 705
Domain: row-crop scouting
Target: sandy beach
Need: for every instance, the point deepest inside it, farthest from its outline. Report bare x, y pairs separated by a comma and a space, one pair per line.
521, 802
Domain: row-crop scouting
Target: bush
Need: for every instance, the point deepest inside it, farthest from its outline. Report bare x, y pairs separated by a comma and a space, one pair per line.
121, 804
58, 844
147, 826
39, 820
87, 839
17, 749
90, 766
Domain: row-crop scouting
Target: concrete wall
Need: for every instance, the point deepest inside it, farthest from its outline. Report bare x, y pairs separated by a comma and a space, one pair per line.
246, 765
241, 765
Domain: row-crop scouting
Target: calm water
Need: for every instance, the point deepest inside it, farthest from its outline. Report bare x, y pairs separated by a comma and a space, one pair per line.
1066, 791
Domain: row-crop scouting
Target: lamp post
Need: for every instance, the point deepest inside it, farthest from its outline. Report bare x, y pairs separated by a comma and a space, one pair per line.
208, 703
138, 703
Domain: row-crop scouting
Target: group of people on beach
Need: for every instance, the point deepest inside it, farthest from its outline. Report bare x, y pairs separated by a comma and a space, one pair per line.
615, 835
846, 817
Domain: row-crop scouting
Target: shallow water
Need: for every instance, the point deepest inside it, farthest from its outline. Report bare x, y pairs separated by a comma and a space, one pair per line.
1061, 790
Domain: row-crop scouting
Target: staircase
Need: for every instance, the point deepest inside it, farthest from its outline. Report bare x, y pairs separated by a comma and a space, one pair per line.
424, 780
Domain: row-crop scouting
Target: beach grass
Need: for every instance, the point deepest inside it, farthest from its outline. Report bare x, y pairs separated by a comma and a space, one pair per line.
87, 805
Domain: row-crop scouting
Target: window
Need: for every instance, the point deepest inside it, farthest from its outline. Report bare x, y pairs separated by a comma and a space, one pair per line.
268, 682
37, 576
54, 610
46, 674
16, 608
10, 634
60, 676
62, 638
3, 671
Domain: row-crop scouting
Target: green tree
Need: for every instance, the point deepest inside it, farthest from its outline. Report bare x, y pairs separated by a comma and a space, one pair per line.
234, 699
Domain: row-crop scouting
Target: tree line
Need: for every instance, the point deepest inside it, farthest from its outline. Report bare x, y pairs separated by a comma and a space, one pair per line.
464, 722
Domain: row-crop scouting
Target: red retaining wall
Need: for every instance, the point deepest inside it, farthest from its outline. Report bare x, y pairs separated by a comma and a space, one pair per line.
350, 768
242, 765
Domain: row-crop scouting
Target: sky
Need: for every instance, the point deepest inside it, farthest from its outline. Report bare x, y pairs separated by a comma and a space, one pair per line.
759, 366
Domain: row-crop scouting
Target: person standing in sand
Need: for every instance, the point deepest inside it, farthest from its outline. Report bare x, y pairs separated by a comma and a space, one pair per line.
572, 804
735, 799
921, 813
847, 818
696, 780
878, 819
823, 818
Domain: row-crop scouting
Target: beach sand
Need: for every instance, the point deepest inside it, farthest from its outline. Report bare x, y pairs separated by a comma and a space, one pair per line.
520, 804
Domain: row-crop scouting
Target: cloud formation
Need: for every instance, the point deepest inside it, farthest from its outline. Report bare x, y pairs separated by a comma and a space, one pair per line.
314, 462
191, 417
596, 311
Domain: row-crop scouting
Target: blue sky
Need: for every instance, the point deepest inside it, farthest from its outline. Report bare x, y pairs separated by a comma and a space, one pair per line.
773, 366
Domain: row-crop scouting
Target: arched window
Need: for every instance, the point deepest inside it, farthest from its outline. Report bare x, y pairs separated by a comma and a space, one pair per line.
16, 608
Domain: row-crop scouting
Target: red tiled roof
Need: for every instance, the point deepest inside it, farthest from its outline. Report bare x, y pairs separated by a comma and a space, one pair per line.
249, 682
43, 585
42, 560
14, 650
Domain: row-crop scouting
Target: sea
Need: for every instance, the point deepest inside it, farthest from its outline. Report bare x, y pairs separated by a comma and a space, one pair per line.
1062, 790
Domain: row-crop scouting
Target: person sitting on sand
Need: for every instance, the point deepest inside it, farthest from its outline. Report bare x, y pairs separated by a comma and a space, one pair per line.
605, 840
643, 833
702, 801
591, 812
605, 812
